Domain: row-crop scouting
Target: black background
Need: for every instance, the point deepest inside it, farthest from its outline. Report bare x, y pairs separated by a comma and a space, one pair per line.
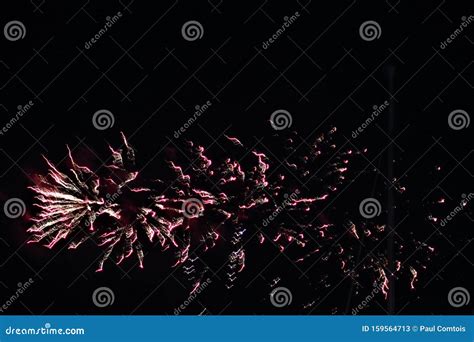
151, 79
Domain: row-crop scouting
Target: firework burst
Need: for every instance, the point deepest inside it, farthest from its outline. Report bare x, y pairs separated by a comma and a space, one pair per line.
225, 202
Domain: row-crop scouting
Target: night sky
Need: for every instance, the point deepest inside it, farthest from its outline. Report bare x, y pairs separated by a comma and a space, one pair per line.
322, 70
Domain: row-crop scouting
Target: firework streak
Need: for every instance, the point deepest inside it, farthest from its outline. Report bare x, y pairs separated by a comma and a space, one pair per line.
243, 198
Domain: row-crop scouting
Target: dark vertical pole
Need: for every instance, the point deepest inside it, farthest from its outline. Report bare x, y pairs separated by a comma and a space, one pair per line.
390, 194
